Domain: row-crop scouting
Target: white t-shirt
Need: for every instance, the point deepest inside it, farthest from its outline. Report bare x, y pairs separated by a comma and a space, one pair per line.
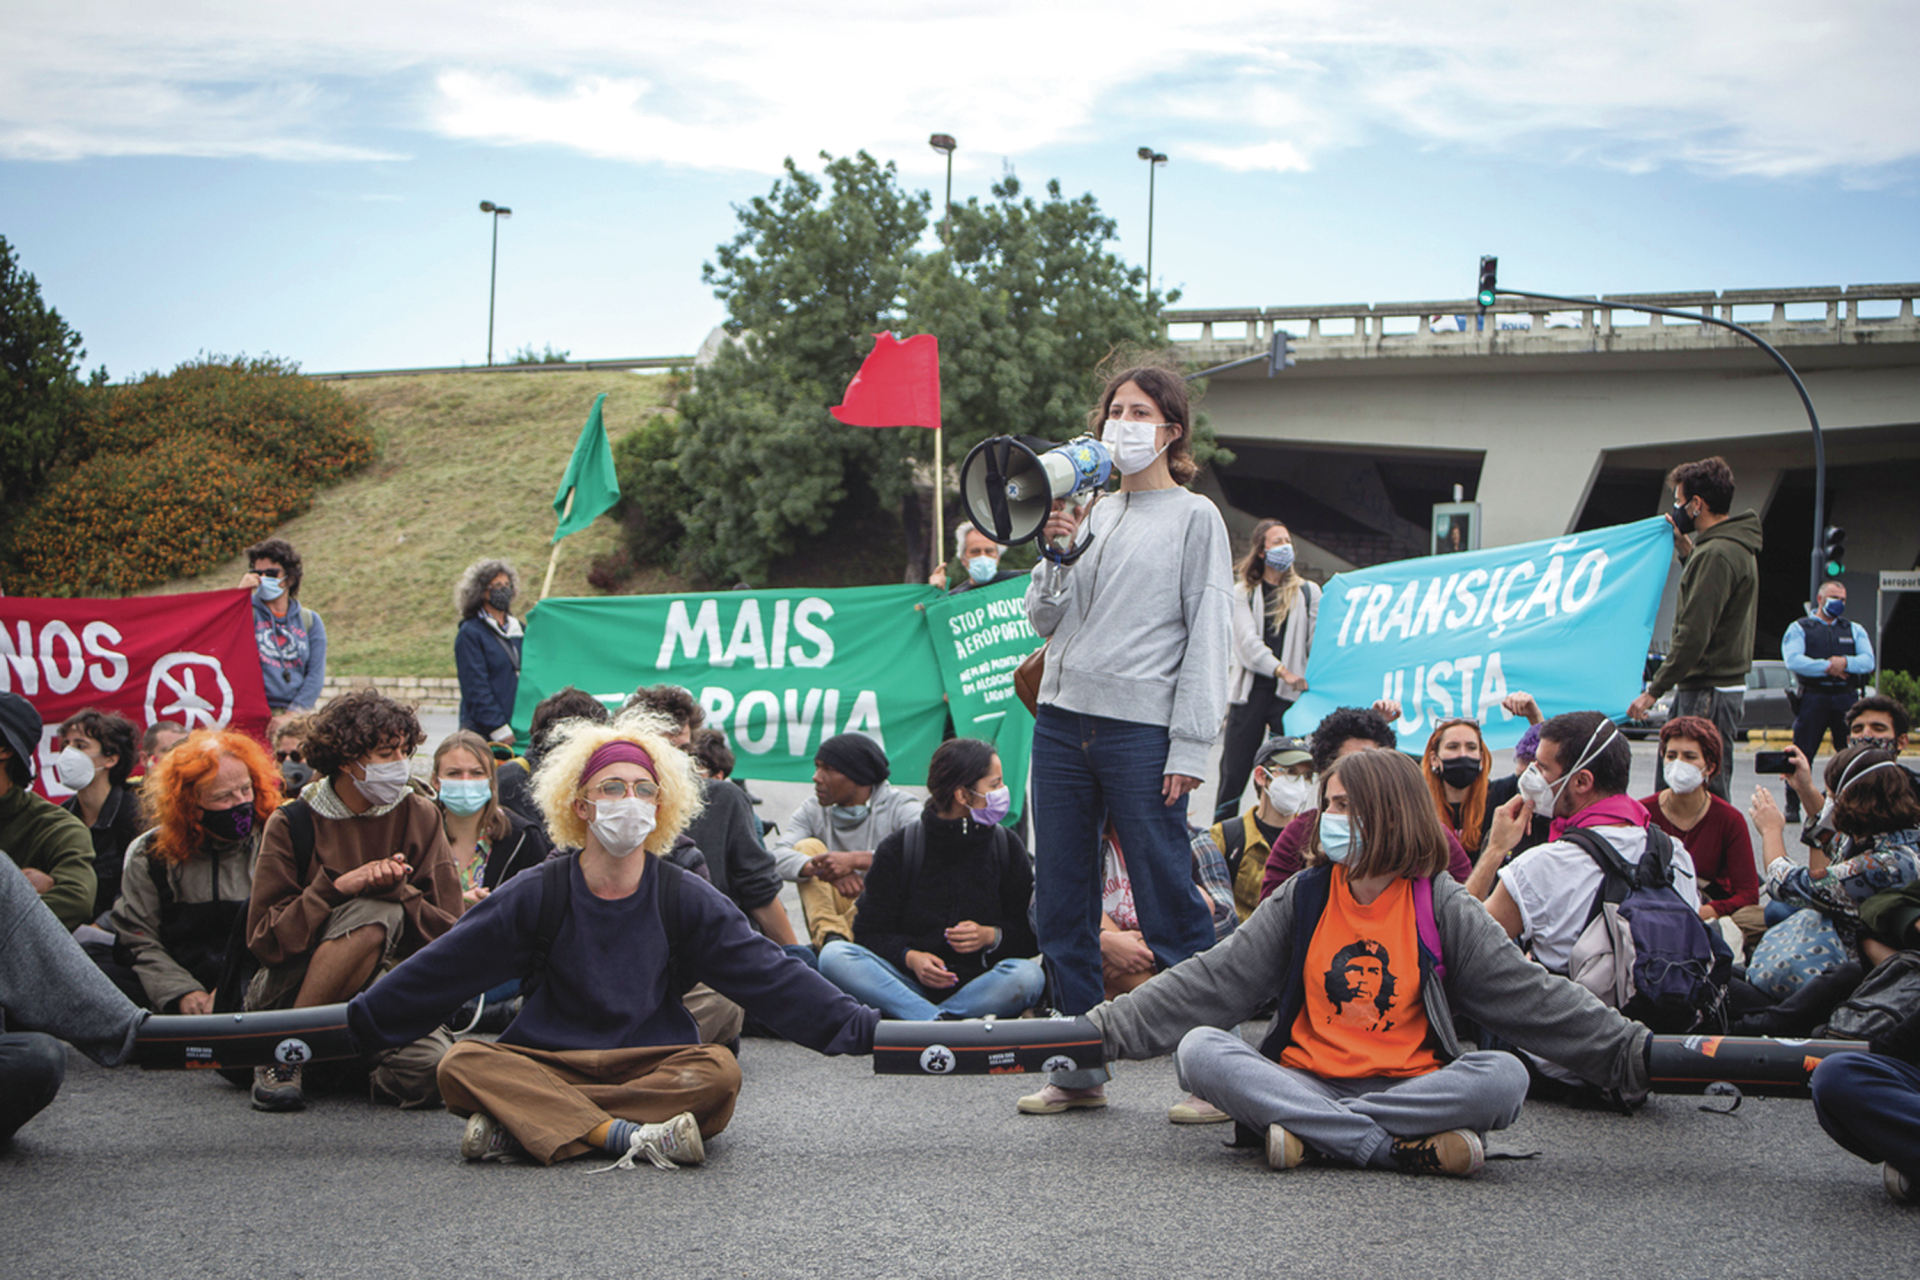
1553, 885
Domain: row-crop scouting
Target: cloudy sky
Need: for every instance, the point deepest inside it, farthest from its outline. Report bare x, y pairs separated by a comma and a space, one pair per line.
305, 179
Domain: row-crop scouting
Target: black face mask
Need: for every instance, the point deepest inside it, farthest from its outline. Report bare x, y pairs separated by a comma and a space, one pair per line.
500, 598
1881, 744
1682, 518
228, 824
1460, 772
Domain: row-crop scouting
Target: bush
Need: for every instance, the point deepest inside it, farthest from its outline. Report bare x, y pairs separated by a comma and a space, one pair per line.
652, 495
1902, 688
181, 470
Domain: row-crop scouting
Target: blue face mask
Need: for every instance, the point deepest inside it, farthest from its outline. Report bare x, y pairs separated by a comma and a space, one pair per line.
465, 796
982, 568
1338, 840
1280, 558
846, 816
270, 589
1833, 607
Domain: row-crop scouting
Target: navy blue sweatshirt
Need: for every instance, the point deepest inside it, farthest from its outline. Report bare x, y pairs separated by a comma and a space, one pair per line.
606, 981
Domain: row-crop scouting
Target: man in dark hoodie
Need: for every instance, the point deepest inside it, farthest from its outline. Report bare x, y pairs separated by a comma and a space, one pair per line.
1712, 644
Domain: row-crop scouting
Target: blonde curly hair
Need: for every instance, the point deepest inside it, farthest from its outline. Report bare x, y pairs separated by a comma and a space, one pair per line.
556, 783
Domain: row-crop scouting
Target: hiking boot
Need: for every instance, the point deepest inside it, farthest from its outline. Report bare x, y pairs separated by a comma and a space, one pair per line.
1196, 1110
1284, 1150
487, 1139
667, 1145
1052, 1100
1899, 1186
277, 1088
1457, 1153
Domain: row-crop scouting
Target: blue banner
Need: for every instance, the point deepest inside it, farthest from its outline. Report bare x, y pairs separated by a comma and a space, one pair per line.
1567, 620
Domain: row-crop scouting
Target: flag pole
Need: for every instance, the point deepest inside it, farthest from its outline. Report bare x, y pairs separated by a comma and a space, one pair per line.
554, 559
939, 499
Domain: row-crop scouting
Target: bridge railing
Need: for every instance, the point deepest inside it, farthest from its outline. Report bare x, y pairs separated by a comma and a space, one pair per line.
1825, 314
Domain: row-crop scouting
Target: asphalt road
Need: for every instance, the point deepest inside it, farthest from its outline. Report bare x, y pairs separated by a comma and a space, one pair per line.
828, 1170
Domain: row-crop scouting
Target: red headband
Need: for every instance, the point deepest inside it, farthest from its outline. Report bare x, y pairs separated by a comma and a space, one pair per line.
615, 752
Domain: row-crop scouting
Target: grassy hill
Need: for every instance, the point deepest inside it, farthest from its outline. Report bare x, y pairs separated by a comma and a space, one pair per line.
467, 467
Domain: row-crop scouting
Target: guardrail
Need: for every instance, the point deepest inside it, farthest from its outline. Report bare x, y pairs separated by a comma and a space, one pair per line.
564, 366
1850, 314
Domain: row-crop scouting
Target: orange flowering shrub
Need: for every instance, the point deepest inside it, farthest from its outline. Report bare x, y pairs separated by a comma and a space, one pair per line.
178, 471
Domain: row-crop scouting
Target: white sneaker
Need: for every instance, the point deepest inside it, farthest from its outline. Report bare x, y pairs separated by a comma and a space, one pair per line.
487, 1139
1196, 1110
666, 1146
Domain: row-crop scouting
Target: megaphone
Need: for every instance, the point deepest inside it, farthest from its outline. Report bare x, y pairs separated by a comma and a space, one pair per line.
1009, 489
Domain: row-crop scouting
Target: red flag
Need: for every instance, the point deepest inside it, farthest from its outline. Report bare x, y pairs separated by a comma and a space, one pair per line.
190, 658
898, 385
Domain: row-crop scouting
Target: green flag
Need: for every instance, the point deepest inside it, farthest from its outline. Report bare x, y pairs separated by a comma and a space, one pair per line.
589, 478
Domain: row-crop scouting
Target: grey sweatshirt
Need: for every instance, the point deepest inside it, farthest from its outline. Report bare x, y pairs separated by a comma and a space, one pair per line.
888, 810
1488, 979
48, 984
1140, 627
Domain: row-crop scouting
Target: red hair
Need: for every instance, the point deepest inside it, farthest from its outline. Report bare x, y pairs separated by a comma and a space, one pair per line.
172, 788
1473, 810
1702, 730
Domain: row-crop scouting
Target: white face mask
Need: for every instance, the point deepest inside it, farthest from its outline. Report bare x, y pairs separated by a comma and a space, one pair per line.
1288, 793
385, 781
1131, 444
1683, 777
74, 768
621, 826
1541, 794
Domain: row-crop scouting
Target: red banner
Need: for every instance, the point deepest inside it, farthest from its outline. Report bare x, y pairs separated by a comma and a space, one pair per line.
189, 658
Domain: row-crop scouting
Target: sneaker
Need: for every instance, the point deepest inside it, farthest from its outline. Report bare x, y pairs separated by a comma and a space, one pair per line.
1457, 1153
1899, 1186
1052, 1100
487, 1139
1196, 1110
1284, 1151
277, 1088
666, 1146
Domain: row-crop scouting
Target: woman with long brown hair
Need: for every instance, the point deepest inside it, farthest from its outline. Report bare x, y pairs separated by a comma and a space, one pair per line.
1455, 763
1138, 619
1275, 610
1371, 949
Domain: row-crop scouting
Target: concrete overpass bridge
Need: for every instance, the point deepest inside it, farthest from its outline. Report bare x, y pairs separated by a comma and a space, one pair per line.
1558, 420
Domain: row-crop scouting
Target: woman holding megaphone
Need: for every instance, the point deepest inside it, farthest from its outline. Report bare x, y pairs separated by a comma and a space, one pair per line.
1138, 626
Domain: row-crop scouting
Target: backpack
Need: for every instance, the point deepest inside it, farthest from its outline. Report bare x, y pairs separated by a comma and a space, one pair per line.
1645, 951
556, 904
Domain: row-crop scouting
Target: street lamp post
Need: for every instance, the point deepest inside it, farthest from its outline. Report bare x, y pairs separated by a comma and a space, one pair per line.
1154, 160
498, 211
944, 142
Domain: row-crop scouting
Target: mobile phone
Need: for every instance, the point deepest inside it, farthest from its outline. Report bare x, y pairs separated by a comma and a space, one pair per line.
1772, 762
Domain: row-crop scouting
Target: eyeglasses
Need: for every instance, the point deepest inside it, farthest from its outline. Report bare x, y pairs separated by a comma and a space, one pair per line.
281, 757
620, 789
269, 573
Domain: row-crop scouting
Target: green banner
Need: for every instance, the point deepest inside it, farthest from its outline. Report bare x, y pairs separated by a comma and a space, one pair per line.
980, 637
778, 671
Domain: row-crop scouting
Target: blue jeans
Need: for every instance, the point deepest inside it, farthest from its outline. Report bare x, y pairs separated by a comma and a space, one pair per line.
1085, 769
1009, 988
1870, 1104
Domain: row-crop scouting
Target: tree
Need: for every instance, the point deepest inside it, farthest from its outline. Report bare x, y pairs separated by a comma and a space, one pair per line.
1027, 299
807, 281
39, 384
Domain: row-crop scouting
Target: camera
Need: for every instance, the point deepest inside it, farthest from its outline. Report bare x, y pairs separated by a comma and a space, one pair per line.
1772, 762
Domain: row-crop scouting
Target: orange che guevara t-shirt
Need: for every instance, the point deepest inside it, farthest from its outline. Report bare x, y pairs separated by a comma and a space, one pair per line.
1363, 1015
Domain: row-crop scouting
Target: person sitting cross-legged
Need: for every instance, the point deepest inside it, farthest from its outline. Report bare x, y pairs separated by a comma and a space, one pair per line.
1371, 949
603, 1055
942, 928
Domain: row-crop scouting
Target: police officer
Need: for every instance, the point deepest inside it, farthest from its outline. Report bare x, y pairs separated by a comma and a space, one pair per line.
1831, 658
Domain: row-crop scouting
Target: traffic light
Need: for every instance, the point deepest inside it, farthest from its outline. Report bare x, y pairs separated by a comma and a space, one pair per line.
1835, 550
1280, 359
1489, 268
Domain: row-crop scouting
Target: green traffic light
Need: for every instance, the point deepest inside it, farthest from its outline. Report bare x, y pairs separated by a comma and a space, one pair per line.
1835, 568
1486, 297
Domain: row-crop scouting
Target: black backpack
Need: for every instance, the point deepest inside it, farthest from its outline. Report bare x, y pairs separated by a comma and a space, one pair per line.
1645, 951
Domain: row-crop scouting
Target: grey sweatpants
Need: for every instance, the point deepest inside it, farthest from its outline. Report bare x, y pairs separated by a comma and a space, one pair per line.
1350, 1120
